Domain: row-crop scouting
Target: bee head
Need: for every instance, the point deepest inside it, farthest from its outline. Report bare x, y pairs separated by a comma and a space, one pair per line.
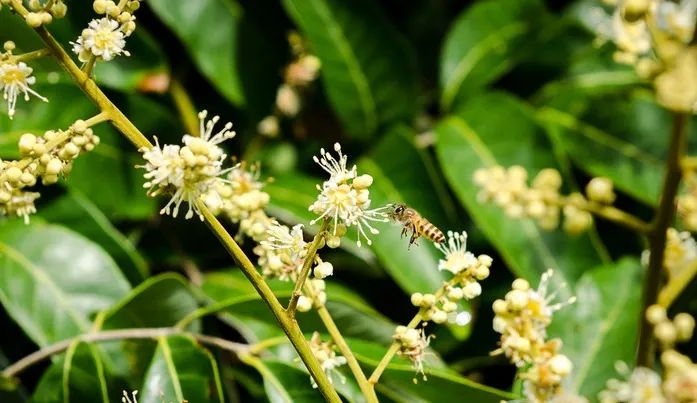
397, 210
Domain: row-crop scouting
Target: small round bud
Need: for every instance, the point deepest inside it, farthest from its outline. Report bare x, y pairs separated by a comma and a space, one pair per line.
304, 304
79, 126
517, 299
600, 190
500, 307
485, 260
49, 179
134, 5
9, 46
124, 17
319, 285
26, 143
54, 167
287, 100
99, 6
576, 221
520, 284
59, 9
480, 272
521, 344
34, 20
417, 299
28, 179
5, 196
655, 314
269, 126
449, 306
428, 300
455, 293
560, 365
472, 290
400, 330
439, 317
71, 149
46, 18
685, 326
666, 333
333, 241
13, 174
363, 181
548, 178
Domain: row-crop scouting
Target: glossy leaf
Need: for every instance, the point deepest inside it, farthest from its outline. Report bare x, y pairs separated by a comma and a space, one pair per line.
599, 329
484, 43
53, 280
367, 68
473, 139
181, 370
209, 31
250, 316
77, 212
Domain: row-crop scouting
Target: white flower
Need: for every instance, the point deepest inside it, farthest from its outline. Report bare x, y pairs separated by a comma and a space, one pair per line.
190, 171
280, 237
18, 203
16, 78
344, 198
327, 357
642, 385
456, 256
133, 398
102, 38
413, 345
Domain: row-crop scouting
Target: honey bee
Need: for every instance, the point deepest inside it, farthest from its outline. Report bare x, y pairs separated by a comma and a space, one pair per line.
412, 220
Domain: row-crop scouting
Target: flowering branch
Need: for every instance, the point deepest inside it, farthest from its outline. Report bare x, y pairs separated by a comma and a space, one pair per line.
305, 271
657, 237
120, 334
35, 54
677, 284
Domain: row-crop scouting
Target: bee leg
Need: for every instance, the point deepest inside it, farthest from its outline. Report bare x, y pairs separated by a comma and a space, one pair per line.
414, 236
404, 231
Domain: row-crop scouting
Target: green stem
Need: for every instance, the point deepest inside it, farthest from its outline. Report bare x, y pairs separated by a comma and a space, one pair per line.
35, 54
185, 107
677, 284
377, 372
89, 66
305, 271
125, 126
289, 325
657, 236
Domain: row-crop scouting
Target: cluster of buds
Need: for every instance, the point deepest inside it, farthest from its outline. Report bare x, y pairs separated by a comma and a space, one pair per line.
522, 318
15, 78
413, 344
328, 359
300, 73
542, 201
40, 12
44, 157
656, 37
105, 38
344, 199
467, 270
190, 171
242, 199
680, 251
679, 381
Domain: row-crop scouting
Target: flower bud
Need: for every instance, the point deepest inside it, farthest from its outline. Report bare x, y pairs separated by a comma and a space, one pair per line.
59, 9
517, 299
472, 290
547, 178
600, 190
449, 306
26, 143
665, 332
500, 307
655, 314
455, 293
34, 20
439, 317
324, 269
429, 300
520, 284
99, 6
560, 365
685, 326
304, 304
333, 241
417, 299
485, 260
363, 181
13, 174
54, 167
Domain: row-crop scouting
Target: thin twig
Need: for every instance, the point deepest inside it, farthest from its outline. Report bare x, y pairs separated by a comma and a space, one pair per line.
305, 271
657, 237
677, 284
34, 54
120, 334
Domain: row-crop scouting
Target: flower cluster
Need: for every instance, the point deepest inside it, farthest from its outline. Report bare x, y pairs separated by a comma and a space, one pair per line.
542, 201
242, 199
467, 270
45, 157
679, 382
15, 79
297, 78
655, 36
41, 12
327, 357
105, 38
344, 198
412, 345
680, 251
189, 171
522, 319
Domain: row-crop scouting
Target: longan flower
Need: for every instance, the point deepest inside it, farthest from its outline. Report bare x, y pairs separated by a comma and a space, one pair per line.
18, 203
457, 258
642, 385
15, 79
189, 171
103, 38
282, 238
344, 198
328, 359
413, 345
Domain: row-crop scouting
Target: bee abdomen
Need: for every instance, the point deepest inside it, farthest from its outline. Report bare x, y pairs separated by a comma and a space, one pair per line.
431, 232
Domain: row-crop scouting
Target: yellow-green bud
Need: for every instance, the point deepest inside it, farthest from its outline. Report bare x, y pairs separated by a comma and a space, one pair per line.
439, 317
417, 299
13, 174
34, 20
54, 167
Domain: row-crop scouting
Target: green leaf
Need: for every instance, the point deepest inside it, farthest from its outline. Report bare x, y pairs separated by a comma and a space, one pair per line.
484, 43
53, 280
209, 30
399, 379
250, 316
78, 213
79, 376
479, 137
181, 370
284, 383
367, 68
159, 301
599, 329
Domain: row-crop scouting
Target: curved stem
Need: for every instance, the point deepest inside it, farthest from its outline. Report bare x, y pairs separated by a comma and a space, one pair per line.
657, 237
305, 271
677, 284
120, 334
